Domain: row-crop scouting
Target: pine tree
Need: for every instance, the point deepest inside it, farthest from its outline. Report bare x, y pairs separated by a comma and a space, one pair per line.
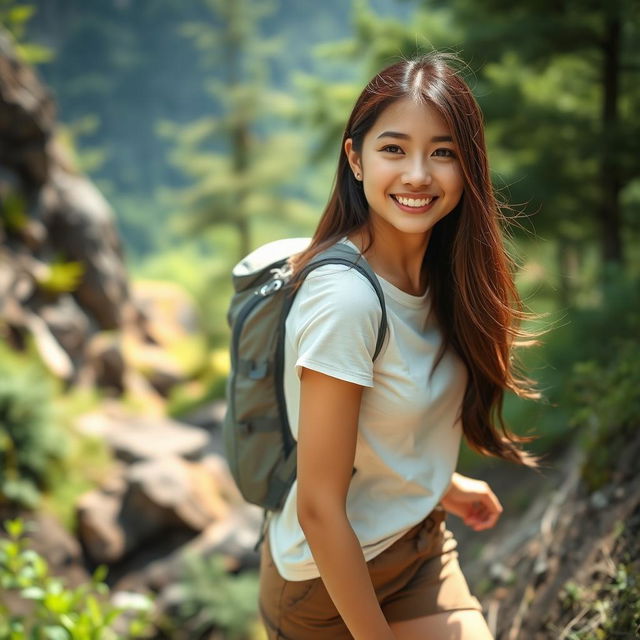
242, 163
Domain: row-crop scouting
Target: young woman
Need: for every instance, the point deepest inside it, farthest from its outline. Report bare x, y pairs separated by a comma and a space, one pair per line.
360, 548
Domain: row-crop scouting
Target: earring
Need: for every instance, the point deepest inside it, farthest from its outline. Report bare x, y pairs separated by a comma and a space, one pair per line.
357, 176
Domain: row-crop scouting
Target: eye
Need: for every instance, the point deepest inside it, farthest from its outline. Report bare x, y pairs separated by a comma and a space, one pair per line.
392, 148
444, 152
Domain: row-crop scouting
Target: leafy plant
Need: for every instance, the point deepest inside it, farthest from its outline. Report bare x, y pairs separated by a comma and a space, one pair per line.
31, 446
15, 17
214, 599
608, 606
13, 211
58, 612
62, 277
607, 406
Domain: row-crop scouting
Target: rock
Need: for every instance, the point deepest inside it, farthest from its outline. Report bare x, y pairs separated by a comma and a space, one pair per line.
144, 501
218, 467
166, 326
160, 368
83, 229
52, 354
140, 388
170, 312
233, 538
236, 544
175, 493
54, 211
152, 436
98, 513
55, 543
208, 416
599, 500
144, 438
27, 113
499, 572
104, 364
68, 324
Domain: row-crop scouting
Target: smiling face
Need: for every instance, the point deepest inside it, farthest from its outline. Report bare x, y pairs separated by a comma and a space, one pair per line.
409, 168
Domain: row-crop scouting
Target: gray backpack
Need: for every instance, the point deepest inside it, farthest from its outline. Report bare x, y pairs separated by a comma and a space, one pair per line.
260, 448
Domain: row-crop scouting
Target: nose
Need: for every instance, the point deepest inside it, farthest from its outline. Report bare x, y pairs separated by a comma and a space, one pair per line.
417, 173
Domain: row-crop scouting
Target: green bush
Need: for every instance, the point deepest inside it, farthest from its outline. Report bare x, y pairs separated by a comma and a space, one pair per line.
57, 612
606, 398
586, 337
212, 599
31, 444
587, 333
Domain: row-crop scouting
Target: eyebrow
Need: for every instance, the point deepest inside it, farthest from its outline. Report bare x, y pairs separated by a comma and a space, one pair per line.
406, 136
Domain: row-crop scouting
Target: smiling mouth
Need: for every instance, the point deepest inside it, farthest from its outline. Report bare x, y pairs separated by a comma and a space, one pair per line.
414, 203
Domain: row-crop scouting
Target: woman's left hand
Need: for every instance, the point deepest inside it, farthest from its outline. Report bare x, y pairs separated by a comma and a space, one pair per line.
472, 501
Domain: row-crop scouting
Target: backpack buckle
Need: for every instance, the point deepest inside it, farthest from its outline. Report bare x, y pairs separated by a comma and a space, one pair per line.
270, 287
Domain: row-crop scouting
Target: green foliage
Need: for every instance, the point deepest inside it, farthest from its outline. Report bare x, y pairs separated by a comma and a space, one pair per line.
85, 157
608, 606
44, 461
15, 17
228, 157
614, 313
57, 612
607, 401
13, 215
184, 399
574, 359
61, 277
214, 599
31, 445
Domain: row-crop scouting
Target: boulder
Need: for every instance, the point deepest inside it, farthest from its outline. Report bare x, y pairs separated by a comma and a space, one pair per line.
98, 512
52, 212
232, 538
103, 364
174, 492
27, 116
136, 438
68, 324
143, 502
208, 416
82, 228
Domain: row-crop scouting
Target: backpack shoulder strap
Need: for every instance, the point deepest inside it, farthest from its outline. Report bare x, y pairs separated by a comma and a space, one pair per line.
342, 253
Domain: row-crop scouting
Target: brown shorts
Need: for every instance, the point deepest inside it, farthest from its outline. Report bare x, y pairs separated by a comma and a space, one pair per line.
418, 575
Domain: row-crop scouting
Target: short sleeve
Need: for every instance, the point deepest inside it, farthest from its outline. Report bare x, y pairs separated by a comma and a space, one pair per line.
334, 323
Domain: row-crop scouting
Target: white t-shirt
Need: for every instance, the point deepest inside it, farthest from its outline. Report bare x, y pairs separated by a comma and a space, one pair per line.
409, 427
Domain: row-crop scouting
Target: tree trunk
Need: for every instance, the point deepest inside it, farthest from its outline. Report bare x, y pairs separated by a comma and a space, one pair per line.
240, 134
609, 214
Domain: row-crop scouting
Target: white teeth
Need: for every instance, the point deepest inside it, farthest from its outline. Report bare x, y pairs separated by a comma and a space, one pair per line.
412, 202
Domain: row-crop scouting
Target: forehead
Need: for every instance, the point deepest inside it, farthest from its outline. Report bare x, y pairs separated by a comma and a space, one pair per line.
410, 117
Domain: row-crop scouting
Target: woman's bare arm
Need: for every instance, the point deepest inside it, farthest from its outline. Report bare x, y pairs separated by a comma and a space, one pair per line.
328, 427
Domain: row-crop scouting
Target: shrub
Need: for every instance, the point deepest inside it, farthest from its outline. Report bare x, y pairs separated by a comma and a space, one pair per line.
213, 599
31, 445
606, 398
58, 612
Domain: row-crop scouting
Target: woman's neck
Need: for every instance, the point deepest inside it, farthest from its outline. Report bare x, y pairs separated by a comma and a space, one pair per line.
397, 258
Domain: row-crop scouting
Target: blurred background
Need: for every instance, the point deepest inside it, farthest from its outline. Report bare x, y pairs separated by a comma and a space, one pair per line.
145, 147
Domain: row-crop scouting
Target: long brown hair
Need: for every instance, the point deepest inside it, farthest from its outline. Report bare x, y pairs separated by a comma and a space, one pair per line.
470, 272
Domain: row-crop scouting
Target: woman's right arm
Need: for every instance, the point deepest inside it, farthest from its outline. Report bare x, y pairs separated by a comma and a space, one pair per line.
328, 427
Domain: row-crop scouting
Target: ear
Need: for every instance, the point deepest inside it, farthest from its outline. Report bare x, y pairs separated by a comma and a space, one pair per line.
353, 158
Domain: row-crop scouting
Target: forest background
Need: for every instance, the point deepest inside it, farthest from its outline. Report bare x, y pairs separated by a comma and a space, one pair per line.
179, 110
213, 126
